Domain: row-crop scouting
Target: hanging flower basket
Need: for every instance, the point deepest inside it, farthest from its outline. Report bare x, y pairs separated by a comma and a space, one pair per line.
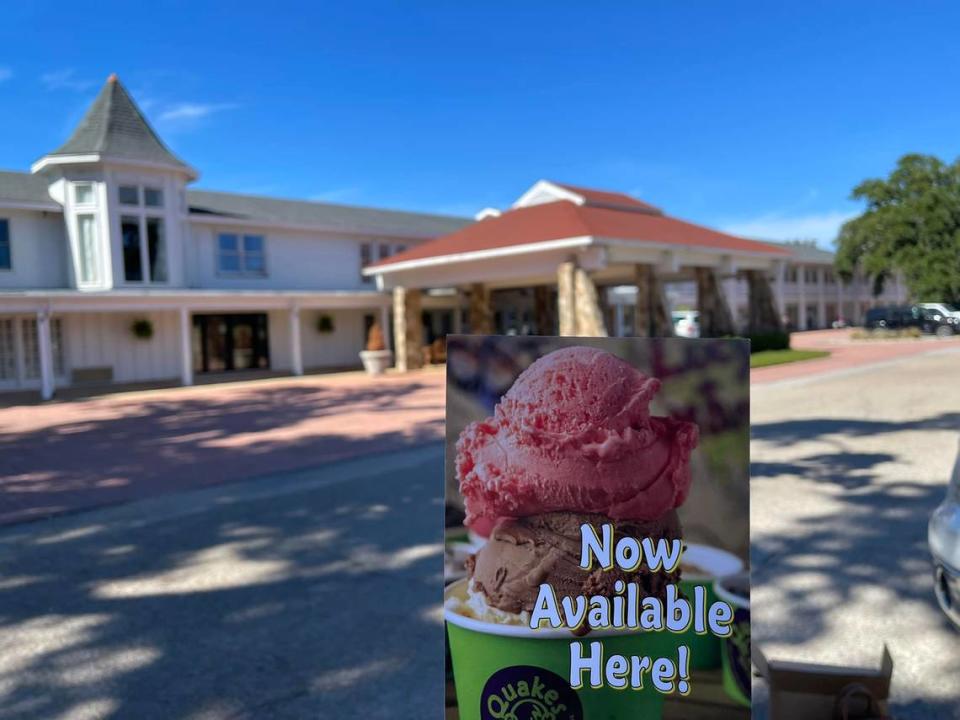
324, 324
142, 329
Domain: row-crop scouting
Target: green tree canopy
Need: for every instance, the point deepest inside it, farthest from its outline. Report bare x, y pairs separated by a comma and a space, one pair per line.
911, 224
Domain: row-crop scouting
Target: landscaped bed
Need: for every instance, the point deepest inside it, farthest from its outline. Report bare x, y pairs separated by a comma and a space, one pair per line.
778, 357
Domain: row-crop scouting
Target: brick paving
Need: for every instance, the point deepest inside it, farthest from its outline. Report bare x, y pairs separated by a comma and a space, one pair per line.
66, 456
845, 353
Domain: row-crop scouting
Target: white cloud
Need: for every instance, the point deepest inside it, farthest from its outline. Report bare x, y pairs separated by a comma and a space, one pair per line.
66, 79
186, 111
337, 195
822, 227
5, 73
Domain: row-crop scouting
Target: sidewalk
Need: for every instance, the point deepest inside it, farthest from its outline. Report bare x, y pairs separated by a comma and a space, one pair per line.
845, 353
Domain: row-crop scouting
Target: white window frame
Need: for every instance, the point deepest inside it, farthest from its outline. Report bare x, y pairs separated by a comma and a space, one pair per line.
241, 255
95, 265
76, 194
141, 212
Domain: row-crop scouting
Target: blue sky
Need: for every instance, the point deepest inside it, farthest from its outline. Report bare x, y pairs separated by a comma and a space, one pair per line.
753, 117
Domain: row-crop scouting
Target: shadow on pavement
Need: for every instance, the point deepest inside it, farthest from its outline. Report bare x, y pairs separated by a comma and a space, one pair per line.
877, 542
320, 604
99, 455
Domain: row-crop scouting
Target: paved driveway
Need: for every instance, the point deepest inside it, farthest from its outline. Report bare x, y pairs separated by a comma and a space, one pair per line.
67, 456
846, 470
310, 595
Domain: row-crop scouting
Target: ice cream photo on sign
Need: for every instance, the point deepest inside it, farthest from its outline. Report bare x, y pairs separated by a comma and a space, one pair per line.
574, 589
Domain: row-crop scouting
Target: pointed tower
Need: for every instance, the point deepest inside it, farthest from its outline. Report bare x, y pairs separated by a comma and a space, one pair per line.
123, 196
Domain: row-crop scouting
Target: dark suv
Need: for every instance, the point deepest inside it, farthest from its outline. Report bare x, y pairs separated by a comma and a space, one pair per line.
898, 317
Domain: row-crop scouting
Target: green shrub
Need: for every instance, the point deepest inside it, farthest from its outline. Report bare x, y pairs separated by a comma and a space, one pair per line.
761, 342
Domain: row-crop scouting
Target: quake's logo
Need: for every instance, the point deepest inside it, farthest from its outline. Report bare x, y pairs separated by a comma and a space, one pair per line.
525, 692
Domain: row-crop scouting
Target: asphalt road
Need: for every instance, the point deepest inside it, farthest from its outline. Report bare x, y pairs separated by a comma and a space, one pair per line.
312, 595
846, 471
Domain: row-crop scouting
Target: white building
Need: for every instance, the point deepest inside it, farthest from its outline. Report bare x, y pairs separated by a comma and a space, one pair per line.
809, 294
112, 270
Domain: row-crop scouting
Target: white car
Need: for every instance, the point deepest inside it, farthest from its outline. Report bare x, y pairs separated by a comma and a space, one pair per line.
944, 309
686, 323
943, 537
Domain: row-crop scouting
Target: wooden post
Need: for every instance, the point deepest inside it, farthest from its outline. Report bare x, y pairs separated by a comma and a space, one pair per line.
407, 329
296, 346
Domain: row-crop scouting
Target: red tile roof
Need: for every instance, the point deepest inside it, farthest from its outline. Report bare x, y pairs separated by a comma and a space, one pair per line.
565, 219
610, 199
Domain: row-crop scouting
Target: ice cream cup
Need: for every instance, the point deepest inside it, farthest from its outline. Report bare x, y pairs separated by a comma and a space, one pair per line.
735, 591
494, 664
702, 566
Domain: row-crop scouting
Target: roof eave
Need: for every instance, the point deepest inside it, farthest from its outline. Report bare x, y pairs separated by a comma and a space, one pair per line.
95, 158
578, 241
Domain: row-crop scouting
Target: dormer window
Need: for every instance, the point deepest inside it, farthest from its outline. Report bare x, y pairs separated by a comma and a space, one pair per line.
152, 197
83, 194
128, 195
142, 234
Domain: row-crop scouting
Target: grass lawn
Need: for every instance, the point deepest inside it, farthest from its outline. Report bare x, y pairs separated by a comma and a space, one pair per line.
778, 357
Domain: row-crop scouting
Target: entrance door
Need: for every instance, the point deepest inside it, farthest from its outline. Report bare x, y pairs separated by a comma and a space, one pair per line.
231, 342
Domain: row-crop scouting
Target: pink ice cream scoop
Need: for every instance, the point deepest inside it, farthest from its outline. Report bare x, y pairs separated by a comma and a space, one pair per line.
575, 433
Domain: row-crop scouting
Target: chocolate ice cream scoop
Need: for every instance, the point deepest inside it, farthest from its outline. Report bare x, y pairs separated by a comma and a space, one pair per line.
524, 552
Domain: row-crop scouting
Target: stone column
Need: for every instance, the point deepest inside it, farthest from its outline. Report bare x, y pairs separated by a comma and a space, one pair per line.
762, 310
715, 319
407, 329
589, 314
481, 317
566, 299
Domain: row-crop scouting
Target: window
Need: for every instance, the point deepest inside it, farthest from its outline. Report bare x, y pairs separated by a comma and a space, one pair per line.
384, 251
132, 254
87, 249
83, 194
156, 250
366, 257
31, 347
241, 254
129, 194
8, 350
153, 197
5, 254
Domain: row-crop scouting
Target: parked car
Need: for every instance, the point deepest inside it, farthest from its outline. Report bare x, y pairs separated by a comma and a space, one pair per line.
942, 308
938, 323
686, 323
943, 537
899, 317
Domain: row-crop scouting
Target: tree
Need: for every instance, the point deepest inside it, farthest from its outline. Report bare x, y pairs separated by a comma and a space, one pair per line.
911, 224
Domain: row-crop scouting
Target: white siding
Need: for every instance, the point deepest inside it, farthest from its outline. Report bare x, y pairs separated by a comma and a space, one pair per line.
340, 348
38, 250
295, 261
105, 340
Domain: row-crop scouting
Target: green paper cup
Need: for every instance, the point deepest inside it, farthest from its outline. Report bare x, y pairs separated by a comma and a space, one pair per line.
735, 591
702, 566
510, 672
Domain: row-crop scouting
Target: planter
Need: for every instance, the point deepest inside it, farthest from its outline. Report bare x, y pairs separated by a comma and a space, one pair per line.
376, 361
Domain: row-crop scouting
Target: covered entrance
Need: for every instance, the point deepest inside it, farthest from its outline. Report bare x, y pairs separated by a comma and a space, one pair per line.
222, 343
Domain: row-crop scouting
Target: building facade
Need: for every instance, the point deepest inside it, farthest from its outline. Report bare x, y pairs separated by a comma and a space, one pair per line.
112, 270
